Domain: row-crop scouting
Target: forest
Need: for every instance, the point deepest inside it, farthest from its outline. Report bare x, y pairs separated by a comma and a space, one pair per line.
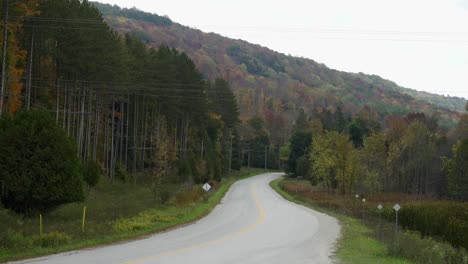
407, 154
95, 101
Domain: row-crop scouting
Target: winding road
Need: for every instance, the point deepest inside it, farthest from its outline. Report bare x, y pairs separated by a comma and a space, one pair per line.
253, 224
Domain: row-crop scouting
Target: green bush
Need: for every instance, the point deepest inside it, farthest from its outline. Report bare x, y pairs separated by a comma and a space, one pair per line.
188, 196
12, 239
446, 220
142, 221
39, 168
52, 239
121, 173
91, 173
426, 250
302, 166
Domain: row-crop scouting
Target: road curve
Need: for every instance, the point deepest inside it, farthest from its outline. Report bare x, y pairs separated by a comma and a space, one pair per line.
253, 224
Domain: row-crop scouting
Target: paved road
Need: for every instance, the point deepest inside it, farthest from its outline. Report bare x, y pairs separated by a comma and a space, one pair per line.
253, 224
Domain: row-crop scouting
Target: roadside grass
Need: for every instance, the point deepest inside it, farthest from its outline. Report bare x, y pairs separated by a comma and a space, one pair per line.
114, 213
356, 244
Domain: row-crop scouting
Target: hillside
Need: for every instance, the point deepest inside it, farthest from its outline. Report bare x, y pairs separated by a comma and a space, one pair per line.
270, 83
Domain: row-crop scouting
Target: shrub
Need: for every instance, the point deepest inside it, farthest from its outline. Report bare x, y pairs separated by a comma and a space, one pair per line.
39, 168
91, 173
12, 239
164, 192
52, 239
302, 166
121, 172
427, 250
447, 220
188, 196
142, 221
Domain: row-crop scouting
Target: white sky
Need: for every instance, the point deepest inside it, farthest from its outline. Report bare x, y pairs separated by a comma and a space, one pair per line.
420, 44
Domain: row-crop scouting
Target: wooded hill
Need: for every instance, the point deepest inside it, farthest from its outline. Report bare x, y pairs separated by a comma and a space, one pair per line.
275, 86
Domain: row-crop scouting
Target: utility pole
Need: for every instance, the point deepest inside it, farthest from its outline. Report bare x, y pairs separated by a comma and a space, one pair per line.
5, 35
230, 156
96, 126
57, 102
126, 130
112, 165
248, 158
65, 99
88, 128
31, 54
81, 125
201, 152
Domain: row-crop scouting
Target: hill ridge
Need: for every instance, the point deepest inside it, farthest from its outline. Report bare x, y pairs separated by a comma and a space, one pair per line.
266, 77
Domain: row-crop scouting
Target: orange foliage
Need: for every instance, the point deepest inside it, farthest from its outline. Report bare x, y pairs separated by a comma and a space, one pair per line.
16, 60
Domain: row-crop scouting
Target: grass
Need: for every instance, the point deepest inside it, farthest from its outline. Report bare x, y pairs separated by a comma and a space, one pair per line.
356, 244
114, 213
369, 240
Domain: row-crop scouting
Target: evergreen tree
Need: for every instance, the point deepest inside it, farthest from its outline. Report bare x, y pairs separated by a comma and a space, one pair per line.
40, 169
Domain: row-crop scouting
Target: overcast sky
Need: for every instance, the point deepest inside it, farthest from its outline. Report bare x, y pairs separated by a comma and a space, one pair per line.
420, 44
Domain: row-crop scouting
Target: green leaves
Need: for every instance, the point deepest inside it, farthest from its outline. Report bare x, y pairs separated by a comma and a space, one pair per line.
456, 170
39, 168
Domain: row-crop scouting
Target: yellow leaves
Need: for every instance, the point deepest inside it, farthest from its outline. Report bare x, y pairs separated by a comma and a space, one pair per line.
16, 63
214, 116
335, 159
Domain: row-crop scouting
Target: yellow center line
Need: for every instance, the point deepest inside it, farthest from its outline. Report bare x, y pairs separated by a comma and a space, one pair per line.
260, 220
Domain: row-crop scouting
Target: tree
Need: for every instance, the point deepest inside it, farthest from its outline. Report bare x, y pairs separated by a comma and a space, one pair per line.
456, 170
40, 168
360, 128
335, 163
91, 173
300, 142
410, 158
374, 162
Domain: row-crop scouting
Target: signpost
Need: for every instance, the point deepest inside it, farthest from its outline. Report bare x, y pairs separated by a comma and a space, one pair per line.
355, 205
363, 204
380, 220
397, 208
206, 187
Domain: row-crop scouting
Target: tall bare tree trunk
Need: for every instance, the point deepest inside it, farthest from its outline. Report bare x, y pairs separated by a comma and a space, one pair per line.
112, 161
96, 127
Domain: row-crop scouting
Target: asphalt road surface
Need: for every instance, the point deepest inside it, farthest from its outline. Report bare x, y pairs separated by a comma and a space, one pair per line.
253, 224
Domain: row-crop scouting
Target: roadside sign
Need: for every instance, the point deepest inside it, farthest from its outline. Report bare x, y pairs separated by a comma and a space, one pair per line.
380, 207
364, 200
396, 207
206, 187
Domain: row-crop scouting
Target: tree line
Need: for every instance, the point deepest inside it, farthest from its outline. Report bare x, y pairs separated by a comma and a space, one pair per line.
405, 154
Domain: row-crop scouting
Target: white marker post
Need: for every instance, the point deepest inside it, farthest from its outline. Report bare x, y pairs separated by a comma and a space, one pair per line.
356, 204
206, 187
363, 209
397, 208
380, 207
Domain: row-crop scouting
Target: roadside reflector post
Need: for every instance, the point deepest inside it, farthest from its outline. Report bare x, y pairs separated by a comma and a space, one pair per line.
356, 204
40, 225
380, 220
363, 207
83, 221
397, 208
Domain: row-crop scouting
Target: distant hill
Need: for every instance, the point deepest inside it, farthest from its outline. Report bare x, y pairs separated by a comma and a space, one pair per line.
267, 82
